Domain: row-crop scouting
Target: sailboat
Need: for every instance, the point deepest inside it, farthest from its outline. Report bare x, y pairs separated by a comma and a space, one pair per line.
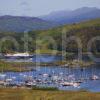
94, 76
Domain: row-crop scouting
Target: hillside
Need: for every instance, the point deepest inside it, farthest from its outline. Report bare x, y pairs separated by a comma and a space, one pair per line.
17, 24
84, 30
21, 24
73, 16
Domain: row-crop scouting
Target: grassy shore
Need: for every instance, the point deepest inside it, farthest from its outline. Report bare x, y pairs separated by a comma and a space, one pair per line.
26, 94
15, 66
28, 66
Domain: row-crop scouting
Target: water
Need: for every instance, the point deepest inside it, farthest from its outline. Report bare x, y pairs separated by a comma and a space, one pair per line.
36, 58
46, 58
78, 73
55, 71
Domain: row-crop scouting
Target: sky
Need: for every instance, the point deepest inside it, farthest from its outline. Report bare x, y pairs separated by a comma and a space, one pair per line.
42, 7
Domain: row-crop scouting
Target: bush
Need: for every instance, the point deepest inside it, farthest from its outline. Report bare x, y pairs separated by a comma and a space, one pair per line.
45, 88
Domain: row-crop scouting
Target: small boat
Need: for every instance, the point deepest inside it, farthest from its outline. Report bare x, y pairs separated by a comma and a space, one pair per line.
94, 77
30, 84
18, 54
76, 85
45, 75
9, 80
66, 84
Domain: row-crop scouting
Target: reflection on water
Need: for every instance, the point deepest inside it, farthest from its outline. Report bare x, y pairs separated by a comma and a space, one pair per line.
36, 58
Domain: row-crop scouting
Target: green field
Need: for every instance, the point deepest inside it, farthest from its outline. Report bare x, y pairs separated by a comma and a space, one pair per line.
26, 94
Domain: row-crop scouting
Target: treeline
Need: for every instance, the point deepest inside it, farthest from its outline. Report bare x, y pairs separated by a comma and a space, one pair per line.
52, 39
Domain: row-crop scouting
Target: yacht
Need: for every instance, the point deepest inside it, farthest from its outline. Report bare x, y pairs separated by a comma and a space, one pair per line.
94, 77
25, 54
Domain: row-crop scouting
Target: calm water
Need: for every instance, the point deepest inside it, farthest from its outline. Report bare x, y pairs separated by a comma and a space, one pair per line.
78, 73
36, 58
54, 71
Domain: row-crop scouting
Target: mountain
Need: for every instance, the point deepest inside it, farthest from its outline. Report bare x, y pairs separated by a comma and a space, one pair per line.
54, 19
55, 16
73, 16
21, 24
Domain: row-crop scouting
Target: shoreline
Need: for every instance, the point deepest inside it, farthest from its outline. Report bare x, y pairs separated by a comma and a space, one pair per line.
29, 66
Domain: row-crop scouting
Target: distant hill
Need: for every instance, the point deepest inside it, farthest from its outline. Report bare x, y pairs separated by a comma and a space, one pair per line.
21, 24
73, 16
84, 30
54, 19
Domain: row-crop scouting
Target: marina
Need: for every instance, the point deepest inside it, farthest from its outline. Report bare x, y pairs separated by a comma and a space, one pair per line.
63, 78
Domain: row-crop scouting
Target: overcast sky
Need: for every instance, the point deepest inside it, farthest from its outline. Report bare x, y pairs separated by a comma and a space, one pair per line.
42, 7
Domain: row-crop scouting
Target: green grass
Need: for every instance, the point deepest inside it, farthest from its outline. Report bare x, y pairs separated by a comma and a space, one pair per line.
15, 66
25, 94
